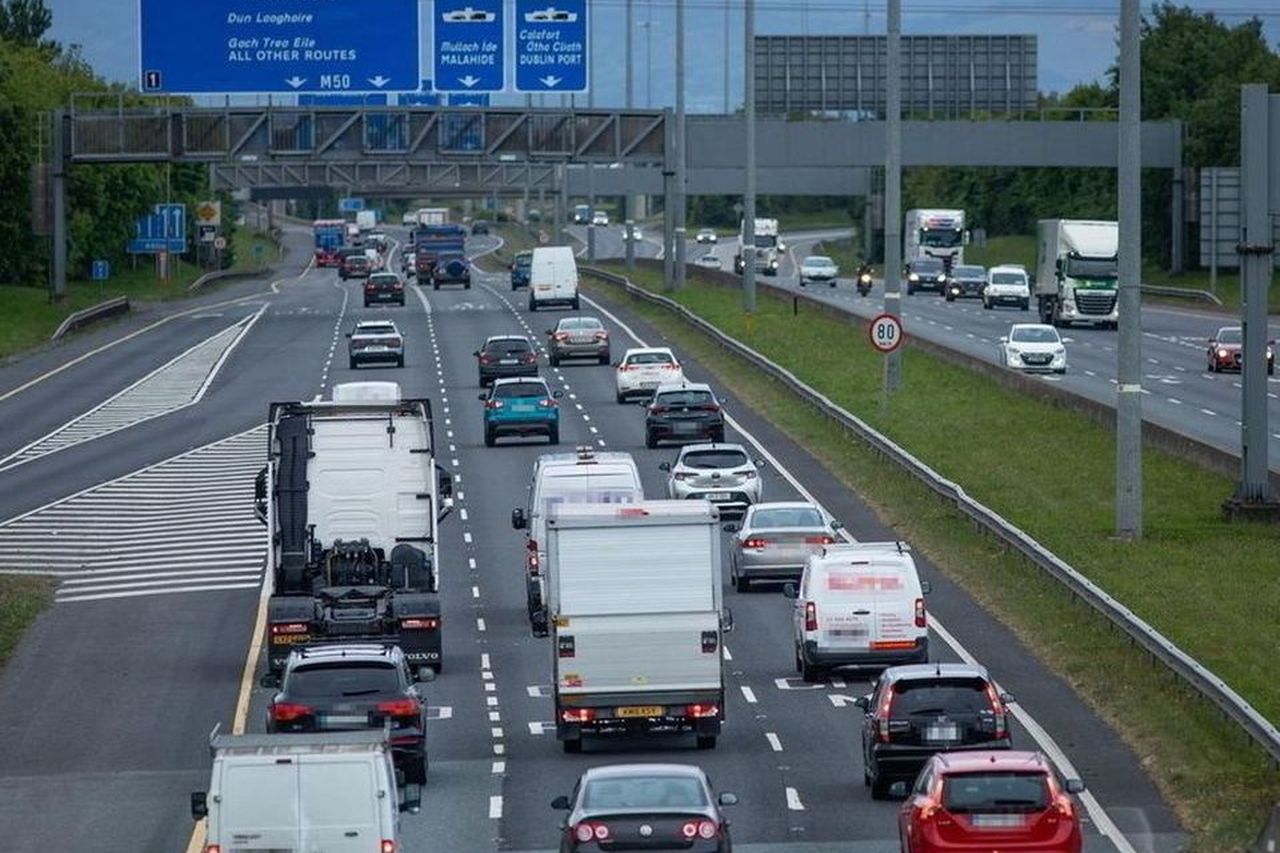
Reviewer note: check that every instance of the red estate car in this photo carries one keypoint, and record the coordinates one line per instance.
(1225, 347)
(977, 802)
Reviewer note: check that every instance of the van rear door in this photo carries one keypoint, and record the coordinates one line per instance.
(340, 804)
(253, 805)
(861, 605)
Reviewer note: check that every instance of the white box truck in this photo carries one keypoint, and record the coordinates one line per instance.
(433, 216)
(934, 233)
(366, 220)
(767, 247)
(637, 620)
(1076, 271)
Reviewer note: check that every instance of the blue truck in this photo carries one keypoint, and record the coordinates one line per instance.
(430, 241)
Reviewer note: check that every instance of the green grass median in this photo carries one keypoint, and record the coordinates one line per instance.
(22, 597)
(1210, 586)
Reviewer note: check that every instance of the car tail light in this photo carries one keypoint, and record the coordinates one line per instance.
(398, 285)
(565, 646)
(531, 557)
(922, 619)
(755, 542)
(484, 359)
(602, 336)
(285, 628)
(998, 711)
(883, 713)
(400, 708)
(747, 475)
(1063, 807)
(930, 809)
(671, 366)
(700, 828)
(578, 715)
(657, 409)
(388, 846)
(561, 336)
(699, 710)
(810, 616)
(427, 623)
(892, 645)
(623, 368)
(710, 407)
(591, 831)
(819, 540)
(213, 848)
(528, 358)
(493, 404)
(368, 285)
(548, 403)
(710, 642)
(395, 342)
(287, 712)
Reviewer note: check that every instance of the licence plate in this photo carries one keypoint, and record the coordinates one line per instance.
(291, 639)
(641, 711)
(718, 496)
(345, 719)
(375, 349)
(941, 733)
(508, 361)
(997, 821)
(681, 426)
(855, 633)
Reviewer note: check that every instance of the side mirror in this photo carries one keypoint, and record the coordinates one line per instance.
(727, 799)
(925, 588)
(518, 519)
(199, 805)
(1075, 786)
(446, 507)
(863, 702)
(476, 353)
(482, 396)
(726, 621)
(557, 394)
(260, 496)
(1057, 265)
(730, 528)
(424, 675)
(1007, 698)
(837, 525)
(1212, 341)
(665, 466)
(616, 364)
(551, 331)
(561, 803)
(348, 334)
(269, 680)
(1004, 339)
(898, 789)
(444, 482)
(789, 591)
(760, 463)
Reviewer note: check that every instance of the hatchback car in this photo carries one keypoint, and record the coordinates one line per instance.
(1225, 350)
(642, 370)
(818, 268)
(355, 686)
(706, 235)
(578, 337)
(375, 340)
(914, 712)
(644, 807)
(775, 540)
(520, 269)
(480, 227)
(976, 802)
(926, 274)
(355, 265)
(600, 218)
(521, 406)
(383, 287)
(688, 411)
(967, 281)
(721, 473)
(1033, 347)
(506, 355)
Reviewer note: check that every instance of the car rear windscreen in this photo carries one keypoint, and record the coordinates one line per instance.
(953, 695)
(579, 323)
(376, 329)
(505, 348)
(519, 389)
(1007, 278)
(685, 398)
(786, 517)
(342, 680)
(649, 358)
(644, 792)
(715, 459)
(995, 791)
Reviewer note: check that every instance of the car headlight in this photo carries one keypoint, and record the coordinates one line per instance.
(1222, 353)
(913, 277)
(941, 277)
(773, 264)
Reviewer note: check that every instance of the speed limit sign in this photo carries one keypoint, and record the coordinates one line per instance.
(885, 332)
(220, 243)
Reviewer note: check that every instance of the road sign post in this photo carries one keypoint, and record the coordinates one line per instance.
(552, 46)
(220, 46)
(469, 45)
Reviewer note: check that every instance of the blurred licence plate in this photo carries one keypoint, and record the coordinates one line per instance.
(345, 719)
(945, 733)
(717, 496)
(508, 361)
(997, 821)
(686, 426)
(856, 632)
(640, 711)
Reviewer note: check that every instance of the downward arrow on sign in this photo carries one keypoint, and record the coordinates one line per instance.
(550, 81)
(468, 81)
(295, 81)
(379, 81)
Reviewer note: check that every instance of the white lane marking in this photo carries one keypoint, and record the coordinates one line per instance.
(1175, 401)
(471, 562)
(466, 537)
(495, 807)
(462, 513)
(480, 624)
(484, 660)
(774, 742)
(495, 732)
(495, 716)
(498, 768)
(487, 675)
(748, 693)
(499, 749)
(475, 592)
(1209, 412)
(727, 656)
(793, 800)
(1099, 816)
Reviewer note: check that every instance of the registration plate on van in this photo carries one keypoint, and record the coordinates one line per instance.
(633, 711)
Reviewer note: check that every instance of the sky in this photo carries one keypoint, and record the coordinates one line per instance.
(1076, 38)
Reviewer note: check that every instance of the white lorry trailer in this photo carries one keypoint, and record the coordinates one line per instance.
(637, 620)
(930, 233)
(1076, 271)
(433, 216)
(767, 247)
(366, 220)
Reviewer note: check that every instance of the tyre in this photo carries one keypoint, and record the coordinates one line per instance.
(366, 303)
(401, 303)
(554, 361)
(1213, 367)
(832, 283)
(986, 306)
(950, 298)
(1026, 305)
(741, 584)
(416, 771)
(717, 436)
(911, 291)
(621, 399)
(1271, 370)
(573, 747)
(650, 440)
(802, 282)
(554, 435)
(400, 361)
(604, 358)
(879, 788)
(351, 363)
(577, 304)
(808, 672)
(533, 306)
(489, 437)
(1062, 372)
(799, 665)
(706, 741)
(435, 285)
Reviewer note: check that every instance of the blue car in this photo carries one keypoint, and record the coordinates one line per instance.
(521, 405)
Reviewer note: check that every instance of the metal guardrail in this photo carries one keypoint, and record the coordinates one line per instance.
(218, 275)
(1192, 672)
(85, 316)
(1181, 293)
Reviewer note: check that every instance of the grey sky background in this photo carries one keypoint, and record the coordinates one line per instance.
(1076, 38)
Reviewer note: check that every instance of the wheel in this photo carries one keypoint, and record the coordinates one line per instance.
(650, 440)
(351, 362)
(416, 772)
(1026, 305)
(717, 436)
(802, 282)
(553, 360)
(799, 665)
(533, 306)
(573, 747)
(401, 303)
(986, 306)
(706, 741)
(622, 400)
(435, 285)
(879, 788)
(1062, 372)
(1213, 367)
(1271, 370)
(366, 303)
(741, 584)
(810, 673)
(950, 298)
(910, 290)
(489, 437)
(466, 286)
(577, 304)
(400, 361)
(604, 359)
(554, 435)
(832, 283)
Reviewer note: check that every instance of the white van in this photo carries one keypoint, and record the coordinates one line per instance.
(553, 278)
(859, 605)
(334, 792)
(583, 476)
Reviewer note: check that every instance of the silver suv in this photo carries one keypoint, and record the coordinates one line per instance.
(721, 473)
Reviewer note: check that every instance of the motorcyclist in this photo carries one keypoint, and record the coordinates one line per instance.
(864, 279)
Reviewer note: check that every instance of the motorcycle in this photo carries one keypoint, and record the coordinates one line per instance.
(864, 284)
(953, 291)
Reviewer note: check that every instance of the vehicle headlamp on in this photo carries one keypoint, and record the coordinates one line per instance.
(942, 277)
(1222, 353)
(913, 277)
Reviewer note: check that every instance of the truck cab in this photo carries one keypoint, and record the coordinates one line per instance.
(1076, 272)
(768, 247)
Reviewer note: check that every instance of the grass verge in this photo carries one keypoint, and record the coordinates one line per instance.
(22, 597)
(515, 239)
(1196, 578)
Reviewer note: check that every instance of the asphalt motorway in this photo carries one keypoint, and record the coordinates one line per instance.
(107, 704)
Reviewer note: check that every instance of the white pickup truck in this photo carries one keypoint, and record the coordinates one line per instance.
(637, 621)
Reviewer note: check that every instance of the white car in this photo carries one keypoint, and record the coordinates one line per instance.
(706, 235)
(1007, 285)
(721, 473)
(1033, 347)
(710, 261)
(599, 218)
(643, 369)
(468, 16)
(818, 268)
(636, 234)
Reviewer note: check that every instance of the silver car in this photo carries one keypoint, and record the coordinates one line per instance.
(721, 473)
(578, 337)
(774, 541)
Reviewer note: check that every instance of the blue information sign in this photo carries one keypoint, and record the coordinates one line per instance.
(350, 205)
(162, 230)
(552, 49)
(424, 97)
(469, 45)
(101, 270)
(268, 46)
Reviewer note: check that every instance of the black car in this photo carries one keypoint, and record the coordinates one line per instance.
(966, 281)
(918, 710)
(480, 226)
(383, 287)
(355, 686)
(520, 270)
(506, 355)
(451, 268)
(644, 807)
(926, 274)
(688, 412)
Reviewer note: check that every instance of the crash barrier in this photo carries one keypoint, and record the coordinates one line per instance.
(1181, 293)
(222, 275)
(92, 314)
(1190, 671)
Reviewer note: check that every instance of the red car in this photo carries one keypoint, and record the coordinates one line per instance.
(977, 802)
(1225, 347)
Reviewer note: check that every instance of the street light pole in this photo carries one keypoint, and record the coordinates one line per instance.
(726, 57)
(682, 203)
(893, 187)
(1129, 349)
(748, 229)
(630, 73)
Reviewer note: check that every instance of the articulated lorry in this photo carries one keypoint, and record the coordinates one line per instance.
(351, 498)
(330, 237)
(636, 617)
(768, 247)
(1076, 271)
(929, 233)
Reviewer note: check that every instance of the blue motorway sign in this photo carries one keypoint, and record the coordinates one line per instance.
(101, 270)
(162, 230)
(368, 99)
(268, 46)
(552, 46)
(466, 99)
(469, 45)
(350, 205)
(424, 97)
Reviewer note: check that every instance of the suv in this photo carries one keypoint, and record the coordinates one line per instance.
(967, 280)
(521, 406)
(926, 273)
(355, 265)
(506, 355)
(375, 340)
(578, 337)
(451, 268)
(480, 226)
(355, 686)
(913, 712)
(721, 473)
(383, 287)
(520, 268)
(689, 410)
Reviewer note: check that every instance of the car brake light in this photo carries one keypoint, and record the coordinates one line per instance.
(280, 628)
(671, 366)
(578, 715)
(529, 358)
(484, 359)
(930, 809)
(710, 407)
(429, 623)
(561, 336)
(602, 336)
(755, 542)
(287, 712)
(1063, 807)
(810, 616)
(657, 409)
(395, 342)
(398, 285)
(892, 645)
(922, 619)
(623, 368)
(682, 475)
(388, 846)
(998, 711)
(531, 563)
(704, 828)
(591, 831)
(747, 475)
(819, 540)
(493, 404)
(548, 403)
(883, 713)
(699, 710)
(400, 708)
(213, 848)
